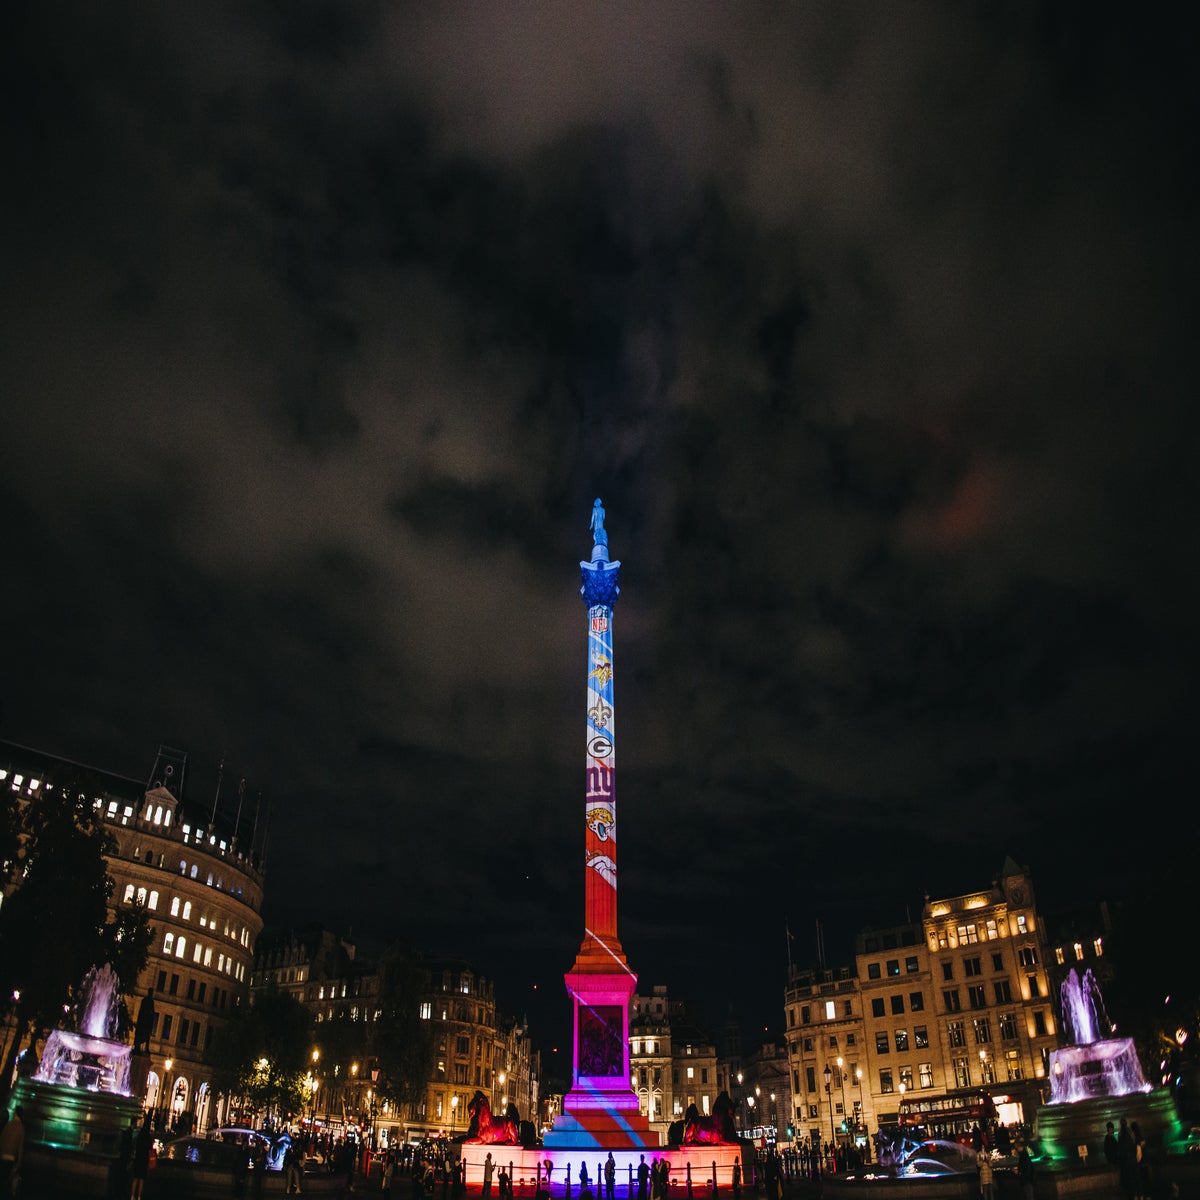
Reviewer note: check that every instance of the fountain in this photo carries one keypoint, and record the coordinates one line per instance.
(78, 1102)
(1097, 1078)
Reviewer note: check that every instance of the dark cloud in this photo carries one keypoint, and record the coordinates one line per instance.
(325, 324)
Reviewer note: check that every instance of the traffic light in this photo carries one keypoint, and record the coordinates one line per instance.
(843, 1126)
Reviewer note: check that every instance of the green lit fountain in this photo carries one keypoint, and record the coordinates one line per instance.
(78, 1101)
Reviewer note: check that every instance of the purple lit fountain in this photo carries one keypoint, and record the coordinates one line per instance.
(1097, 1078)
(77, 1102)
(90, 1058)
(1094, 1064)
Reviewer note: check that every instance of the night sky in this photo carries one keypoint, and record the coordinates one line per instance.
(873, 325)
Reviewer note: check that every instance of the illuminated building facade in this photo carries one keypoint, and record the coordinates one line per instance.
(959, 1002)
(200, 879)
(673, 1064)
(473, 1045)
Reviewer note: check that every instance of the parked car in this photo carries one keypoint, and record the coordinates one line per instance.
(277, 1145)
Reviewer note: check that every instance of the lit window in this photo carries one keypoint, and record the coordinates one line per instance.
(141, 895)
(426, 1010)
(167, 818)
(1078, 952)
(187, 911)
(208, 956)
(180, 946)
(168, 943)
(1098, 947)
(196, 953)
(691, 1072)
(153, 901)
(128, 897)
(158, 815)
(1059, 956)
(831, 1010)
(174, 906)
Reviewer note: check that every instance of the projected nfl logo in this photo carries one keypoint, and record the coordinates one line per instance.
(599, 624)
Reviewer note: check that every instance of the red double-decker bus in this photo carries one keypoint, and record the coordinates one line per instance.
(952, 1117)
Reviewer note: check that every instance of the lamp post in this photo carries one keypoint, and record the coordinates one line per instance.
(357, 1093)
(740, 1079)
(164, 1100)
(829, 1098)
(841, 1062)
(858, 1112)
(453, 1114)
(374, 1098)
(314, 1085)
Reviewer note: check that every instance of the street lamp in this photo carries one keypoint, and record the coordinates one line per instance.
(858, 1113)
(453, 1114)
(841, 1062)
(164, 1100)
(829, 1098)
(374, 1096)
(313, 1086)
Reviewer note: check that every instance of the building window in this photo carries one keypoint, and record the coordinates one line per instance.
(925, 1074)
(911, 965)
(1034, 989)
(962, 1072)
(885, 1081)
(1027, 956)
(897, 1006)
(956, 1033)
(893, 966)
(168, 1020)
(877, 1006)
(968, 935)
(901, 1040)
(997, 962)
(1098, 947)
(831, 1010)
(805, 1015)
(975, 996)
(973, 966)
(916, 1001)
(1039, 1023)
(921, 1037)
(906, 1078)
(850, 1041)
(1012, 1064)
(168, 943)
(1059, 956)
(1003, 990)
(1022, 924)
(983, 1030)
(947, 970)
(810, 1078)
(1008, 1027)
(951, 1001)
(174, 906)
(426, 1010)
(873, 970)
(987, 1069)
(847, 1008)
(882, 1045)
(808, 1045)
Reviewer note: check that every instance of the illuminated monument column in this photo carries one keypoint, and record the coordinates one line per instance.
(601, 1109)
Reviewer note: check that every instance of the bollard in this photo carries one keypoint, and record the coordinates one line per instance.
(631, 1181)
(714, 1177)
(689, 1180)
(567, 1193)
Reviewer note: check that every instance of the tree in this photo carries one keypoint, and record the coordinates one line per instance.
(52, 925)
(261, 1057)
(401, 1042)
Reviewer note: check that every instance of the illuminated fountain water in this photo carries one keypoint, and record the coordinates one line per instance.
(1094, 1065)
(1095, 1079)
(90, 1058)
(77, 1103)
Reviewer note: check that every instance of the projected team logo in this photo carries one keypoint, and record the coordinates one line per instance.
(602, 671)
(600, 747)
(601, 821)
(605, 867)
(600, 714)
